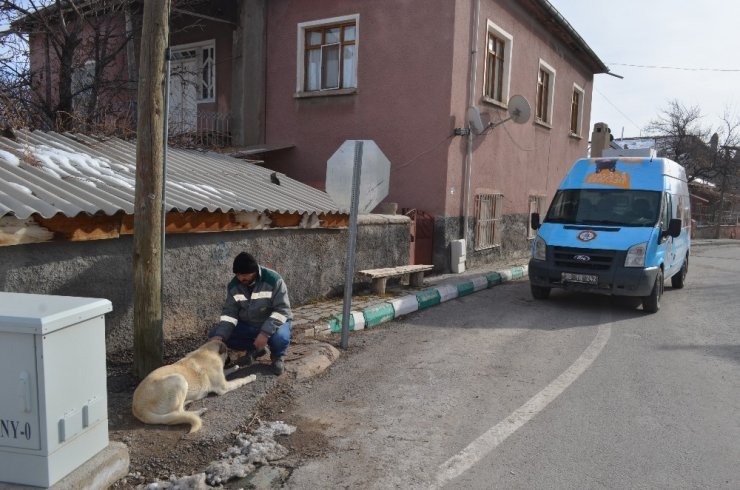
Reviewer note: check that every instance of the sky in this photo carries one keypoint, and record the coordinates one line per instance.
(701, 37)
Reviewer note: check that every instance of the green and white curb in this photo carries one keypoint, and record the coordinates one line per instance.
(394, 308)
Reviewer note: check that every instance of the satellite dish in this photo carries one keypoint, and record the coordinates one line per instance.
(519, 109)
(474, 120)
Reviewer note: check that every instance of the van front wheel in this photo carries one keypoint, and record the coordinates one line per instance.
(679, 280)
(540, 292)
(651, 303)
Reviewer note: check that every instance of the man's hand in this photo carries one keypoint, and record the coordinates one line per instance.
(261, 341)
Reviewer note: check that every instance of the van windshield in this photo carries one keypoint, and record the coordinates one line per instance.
(614, 207)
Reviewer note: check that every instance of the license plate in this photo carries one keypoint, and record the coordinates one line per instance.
(582, 278)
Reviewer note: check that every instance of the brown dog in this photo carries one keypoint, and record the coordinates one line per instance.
(161, 397)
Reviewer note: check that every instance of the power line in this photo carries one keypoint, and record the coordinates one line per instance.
(683, 68)
(618, 110)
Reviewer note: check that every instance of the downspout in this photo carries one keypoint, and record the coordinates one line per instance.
(472, 100)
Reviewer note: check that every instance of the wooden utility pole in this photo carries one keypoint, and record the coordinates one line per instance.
(148, 253)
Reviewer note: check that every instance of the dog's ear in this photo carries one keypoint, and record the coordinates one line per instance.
(222, 349)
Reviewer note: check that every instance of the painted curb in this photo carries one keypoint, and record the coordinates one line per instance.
(427, 298)
(392, 309)
(480, 283)
(494, 279)
(377, 314)
(356, 322)
(447, 292)
(465, 288)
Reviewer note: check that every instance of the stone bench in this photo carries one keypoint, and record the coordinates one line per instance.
(379, 277)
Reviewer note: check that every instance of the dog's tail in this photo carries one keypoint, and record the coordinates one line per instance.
(172, 418)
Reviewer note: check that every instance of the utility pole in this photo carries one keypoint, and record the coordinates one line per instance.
(148, 213)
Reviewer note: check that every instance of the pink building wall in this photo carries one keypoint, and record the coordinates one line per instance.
(413, 90)
(402, 100)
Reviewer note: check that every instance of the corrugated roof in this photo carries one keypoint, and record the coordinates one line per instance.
(48, 173)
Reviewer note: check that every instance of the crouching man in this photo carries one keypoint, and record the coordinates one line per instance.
(256, 313)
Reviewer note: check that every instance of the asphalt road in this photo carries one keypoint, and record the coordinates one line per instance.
(497, 390)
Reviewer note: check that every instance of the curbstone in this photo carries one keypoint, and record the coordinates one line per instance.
(356, 322)
(494, 278)
(322, 329)
(517, 272)
(505, 275)
(427, 298)
(404, 305)
(377, 314)
(465, 288)
(480, 283)
(447, 292)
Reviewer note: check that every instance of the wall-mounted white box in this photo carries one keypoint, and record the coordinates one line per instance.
(54, 404)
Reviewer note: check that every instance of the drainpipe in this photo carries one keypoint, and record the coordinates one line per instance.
(472, 101)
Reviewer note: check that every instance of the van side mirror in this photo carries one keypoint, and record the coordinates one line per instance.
(535, 221)
(674, 227)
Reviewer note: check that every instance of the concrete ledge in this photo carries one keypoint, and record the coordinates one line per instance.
(101, 471)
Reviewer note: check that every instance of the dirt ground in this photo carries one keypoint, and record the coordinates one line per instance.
(158, 452)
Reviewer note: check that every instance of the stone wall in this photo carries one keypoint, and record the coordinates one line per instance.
(197, 268)
(515, 246)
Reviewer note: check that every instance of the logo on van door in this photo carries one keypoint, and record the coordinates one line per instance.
(586, 235)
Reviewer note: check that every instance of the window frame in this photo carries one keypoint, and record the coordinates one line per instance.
(302, 53)
(488, 216)
(577, 89)
(508, 42)
(209, 85)
(549, 103)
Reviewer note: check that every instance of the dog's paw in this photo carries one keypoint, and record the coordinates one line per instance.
(201, 411)
(231, 370)
(248, 379)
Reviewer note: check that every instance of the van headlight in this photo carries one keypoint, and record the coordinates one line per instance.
(539, 249)
(636, 256)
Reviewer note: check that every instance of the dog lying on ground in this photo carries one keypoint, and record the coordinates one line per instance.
(161, 397)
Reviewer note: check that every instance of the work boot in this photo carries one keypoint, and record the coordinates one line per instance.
(278, 366)
(249, 359)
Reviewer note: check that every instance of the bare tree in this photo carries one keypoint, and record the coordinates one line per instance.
(681, 137)
(73, 83)
(726, 162)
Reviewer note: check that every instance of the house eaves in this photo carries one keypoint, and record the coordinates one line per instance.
(556, 24)
(49, 174)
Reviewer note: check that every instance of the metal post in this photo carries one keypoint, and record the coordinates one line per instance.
(350, 272)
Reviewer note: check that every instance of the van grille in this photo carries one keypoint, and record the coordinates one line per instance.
(575, 258)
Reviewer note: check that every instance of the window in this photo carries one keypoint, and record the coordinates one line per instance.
(536, 205)
(488, 210)
(545, 86)
(82, 81)
(327, 54)
(576, 110)
(497, 65)
(193, 67)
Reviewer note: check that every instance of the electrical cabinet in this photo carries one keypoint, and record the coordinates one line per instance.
(54, 407)
(458, 255)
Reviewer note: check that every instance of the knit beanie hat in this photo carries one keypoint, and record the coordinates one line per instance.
(244, 263)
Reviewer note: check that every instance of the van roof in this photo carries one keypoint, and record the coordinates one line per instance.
(622, 173)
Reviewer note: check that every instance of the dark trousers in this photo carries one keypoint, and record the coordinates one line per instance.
(244, 334)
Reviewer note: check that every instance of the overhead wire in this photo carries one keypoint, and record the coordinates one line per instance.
(683, 68)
